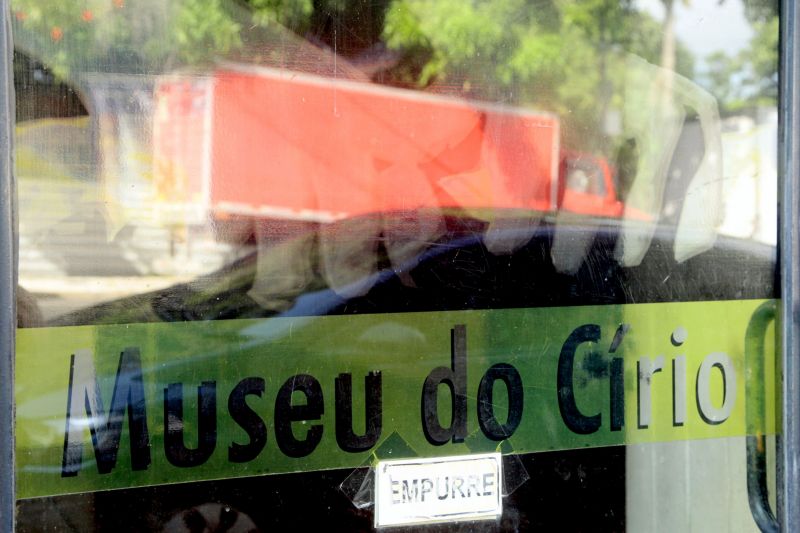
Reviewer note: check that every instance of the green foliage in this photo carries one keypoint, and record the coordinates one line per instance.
(128, 36)
(600, 20)
(402, 31)
(721, 70)
(750, 78)
(761, 10)
(763, 61)
(203, 29)
(559, 55)
(294, 14)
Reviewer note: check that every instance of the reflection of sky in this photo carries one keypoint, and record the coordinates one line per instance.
(706, 26)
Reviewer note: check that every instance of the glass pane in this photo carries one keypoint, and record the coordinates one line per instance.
(267, 245)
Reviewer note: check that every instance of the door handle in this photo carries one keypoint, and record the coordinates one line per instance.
(755, 417)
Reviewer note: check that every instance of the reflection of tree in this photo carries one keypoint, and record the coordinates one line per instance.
(668, 36)
(135, 36)
(749, 78)
(70, 37)
(550, 54)
(561, 56)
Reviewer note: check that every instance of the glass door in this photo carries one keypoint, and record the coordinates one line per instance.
(422, 264)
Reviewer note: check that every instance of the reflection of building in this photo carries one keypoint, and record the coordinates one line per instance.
(85, 184)
(750, 172)
(122, 106)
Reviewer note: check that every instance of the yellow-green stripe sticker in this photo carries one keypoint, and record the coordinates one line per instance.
(118, 406)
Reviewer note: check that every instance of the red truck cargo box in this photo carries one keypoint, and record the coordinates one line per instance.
(295, 146)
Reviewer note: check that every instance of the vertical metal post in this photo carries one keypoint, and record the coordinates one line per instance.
(8, 273)
(789, 158)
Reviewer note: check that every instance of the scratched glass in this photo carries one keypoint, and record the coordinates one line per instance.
(186, 164)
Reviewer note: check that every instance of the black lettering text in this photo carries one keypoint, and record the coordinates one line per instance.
(286, 413)
(85, 407)
(573, 418)
(248, 419)
(174, 447)
(456, 380)
(486, 418)
(345, 436)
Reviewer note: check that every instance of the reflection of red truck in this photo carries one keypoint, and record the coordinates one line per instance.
(280, 144)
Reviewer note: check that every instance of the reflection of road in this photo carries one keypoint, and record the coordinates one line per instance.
(79, 244)
(71, 256)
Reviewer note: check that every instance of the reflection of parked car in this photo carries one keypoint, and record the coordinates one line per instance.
(457, 272)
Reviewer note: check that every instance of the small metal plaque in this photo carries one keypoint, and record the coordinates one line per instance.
(445, 489)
